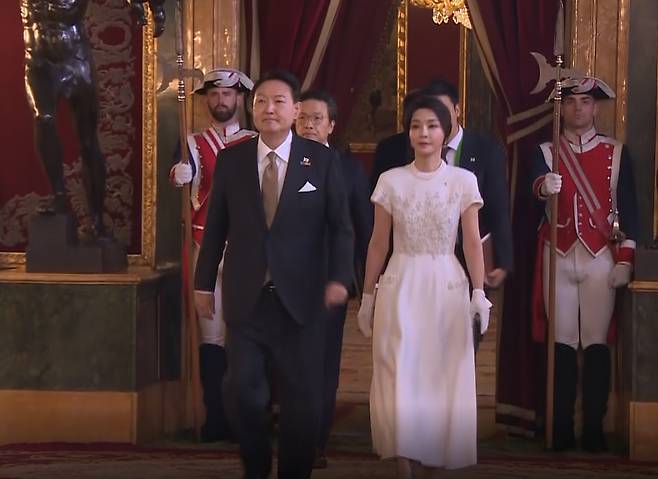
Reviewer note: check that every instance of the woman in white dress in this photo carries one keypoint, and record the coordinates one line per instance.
(422, 398)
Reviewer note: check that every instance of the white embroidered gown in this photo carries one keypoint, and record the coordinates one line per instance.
(422, 396)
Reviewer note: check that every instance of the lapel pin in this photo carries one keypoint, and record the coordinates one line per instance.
(472, 159)
(306, 162)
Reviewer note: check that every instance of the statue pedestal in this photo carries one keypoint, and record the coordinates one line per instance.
(639, 356)
(53, 247)
(89, 357)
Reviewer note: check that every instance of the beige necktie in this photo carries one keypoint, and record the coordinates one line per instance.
(270, 188)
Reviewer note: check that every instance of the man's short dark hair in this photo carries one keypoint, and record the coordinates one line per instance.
(321, 95)
(431, 103)
(442, 87)
(283, 76)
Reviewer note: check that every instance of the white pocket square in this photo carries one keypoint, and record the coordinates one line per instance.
(307, 188)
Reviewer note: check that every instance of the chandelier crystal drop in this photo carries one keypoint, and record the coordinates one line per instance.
(444, 10)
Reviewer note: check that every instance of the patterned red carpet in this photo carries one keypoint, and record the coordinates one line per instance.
(105, 461)
(350, 454)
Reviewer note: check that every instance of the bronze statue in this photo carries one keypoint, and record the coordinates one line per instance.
(58, 63)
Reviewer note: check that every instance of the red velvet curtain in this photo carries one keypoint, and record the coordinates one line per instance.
(507, 32)
(348, 58)
(288, 32)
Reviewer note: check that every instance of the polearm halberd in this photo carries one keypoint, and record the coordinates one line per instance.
(190, 366)
(558, 50)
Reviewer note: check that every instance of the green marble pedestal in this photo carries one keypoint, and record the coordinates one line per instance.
(88, 357)
(639, 368)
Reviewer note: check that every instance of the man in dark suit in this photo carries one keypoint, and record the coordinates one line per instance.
(316, 121)
(485, 157)
(278, 214)
(394, 150)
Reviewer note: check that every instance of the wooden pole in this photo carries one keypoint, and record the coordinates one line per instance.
(550, 340)
(190, 360)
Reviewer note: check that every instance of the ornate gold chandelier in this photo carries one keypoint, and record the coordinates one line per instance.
(444, 10)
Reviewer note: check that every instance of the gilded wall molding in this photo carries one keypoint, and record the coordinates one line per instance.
(363, 147)
(12, 260)
(655, 172)
(227, 33)
(401, 59)
(212, 34)
(149, 152)
(464, 45)
(591, 53)
(622, 69)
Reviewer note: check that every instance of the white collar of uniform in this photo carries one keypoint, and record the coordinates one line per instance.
(457, 139)
(228, 130)
(282, 151)
(580, 140)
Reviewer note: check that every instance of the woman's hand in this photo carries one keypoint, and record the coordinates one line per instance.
(480, 305)
(366, 314)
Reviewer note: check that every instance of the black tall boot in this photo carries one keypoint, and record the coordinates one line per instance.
(596, 387)
(564, 397)
(212, 365)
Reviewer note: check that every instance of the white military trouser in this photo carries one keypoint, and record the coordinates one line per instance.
(213, 330)
(581, 292)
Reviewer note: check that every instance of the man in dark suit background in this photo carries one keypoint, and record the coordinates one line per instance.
(394, 150)
(278, 204)
(485, 157)
(316, 121)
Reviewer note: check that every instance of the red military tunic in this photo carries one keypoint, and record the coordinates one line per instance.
(204, 147)
(598, 159)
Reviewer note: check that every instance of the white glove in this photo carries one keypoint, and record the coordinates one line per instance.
(620, 275)
(552, 184)
(480, 305)
(366, 314)
(182, 173)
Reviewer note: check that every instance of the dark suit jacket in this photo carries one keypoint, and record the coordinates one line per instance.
(361, 211)
(486, 159)
(390, 153)
(309, 243)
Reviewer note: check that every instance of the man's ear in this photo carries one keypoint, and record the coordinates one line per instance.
(296, 107)
(458, 110)
(332, 124)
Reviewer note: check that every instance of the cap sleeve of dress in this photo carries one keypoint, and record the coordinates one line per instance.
(470, 192)
(382, 195)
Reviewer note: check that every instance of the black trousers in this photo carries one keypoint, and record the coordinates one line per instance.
(335, 325)
(295, 354)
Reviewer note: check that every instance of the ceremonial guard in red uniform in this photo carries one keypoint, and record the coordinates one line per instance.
(597, 222)
(224, 91)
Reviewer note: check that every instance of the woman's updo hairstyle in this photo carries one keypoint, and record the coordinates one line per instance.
(430, 103)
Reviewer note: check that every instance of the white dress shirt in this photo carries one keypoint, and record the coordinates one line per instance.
(584, 142)
(227, 130)
(454, 146)
(283, 153)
